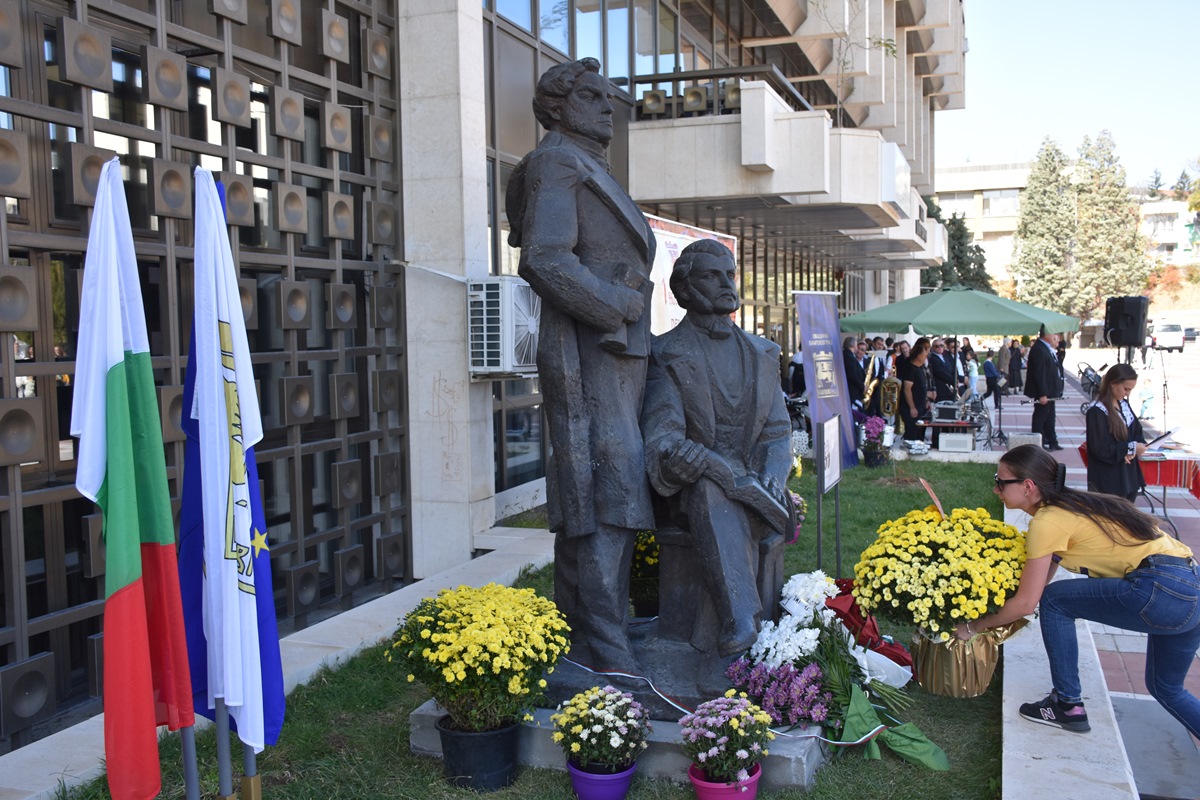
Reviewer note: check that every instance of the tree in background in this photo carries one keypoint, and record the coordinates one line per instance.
(1153, 191)
(1110, 253)
(965, 263)
(1183, 186)
(1043, 245)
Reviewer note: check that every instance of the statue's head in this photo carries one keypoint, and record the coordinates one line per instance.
(704, 278)
(574, 98)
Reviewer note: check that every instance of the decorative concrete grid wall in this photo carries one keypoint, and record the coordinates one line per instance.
(294, 105)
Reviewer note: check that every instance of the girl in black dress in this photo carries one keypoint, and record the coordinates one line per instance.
(1114, 436)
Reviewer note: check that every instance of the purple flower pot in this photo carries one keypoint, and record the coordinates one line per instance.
(600, 786)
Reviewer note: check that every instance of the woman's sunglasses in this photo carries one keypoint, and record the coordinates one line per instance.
(1002, 482)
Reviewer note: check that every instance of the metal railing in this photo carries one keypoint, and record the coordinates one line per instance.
(708, 91)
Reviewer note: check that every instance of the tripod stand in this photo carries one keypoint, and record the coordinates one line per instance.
(1162, 365)
(998, 435)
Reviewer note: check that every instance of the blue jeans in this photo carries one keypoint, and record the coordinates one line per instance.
(1161, 600)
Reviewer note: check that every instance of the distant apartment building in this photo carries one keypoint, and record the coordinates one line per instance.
(1173, 232)
(989, 197)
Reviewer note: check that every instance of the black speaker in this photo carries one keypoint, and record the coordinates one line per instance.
(1125, 320)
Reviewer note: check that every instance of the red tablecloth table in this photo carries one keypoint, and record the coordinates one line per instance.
(1170, 469)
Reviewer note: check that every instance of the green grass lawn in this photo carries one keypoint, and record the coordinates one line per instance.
(346, 734)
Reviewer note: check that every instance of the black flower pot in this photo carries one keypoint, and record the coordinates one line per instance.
(875, 458)
(484, 762)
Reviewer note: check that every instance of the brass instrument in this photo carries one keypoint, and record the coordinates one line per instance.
(889, 401)
(870, 381)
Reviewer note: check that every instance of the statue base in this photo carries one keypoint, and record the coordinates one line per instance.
(668, 669)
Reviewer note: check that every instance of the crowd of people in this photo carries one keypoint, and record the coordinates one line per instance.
(920, 374)
(1141, 579)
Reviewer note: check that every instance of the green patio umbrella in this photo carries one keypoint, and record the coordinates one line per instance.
(955, 311)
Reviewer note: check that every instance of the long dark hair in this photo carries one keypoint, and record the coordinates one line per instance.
(1117, 373)
(1116, 516)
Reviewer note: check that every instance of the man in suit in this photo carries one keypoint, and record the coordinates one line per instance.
(855, 374)
(715, 424)
(942, 369)
(1044, 383)
(586, 249)
(942, 374)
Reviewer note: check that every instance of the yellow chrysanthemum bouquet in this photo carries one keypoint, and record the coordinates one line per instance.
(936, 572)
(482, 652)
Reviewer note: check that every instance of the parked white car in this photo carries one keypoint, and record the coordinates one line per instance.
(1167, 336)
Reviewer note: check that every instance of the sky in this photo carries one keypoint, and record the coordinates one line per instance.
(1070, 68)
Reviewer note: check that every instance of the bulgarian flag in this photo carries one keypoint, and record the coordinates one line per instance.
(122, 468)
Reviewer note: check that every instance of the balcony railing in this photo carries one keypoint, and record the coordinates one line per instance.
(671, 95)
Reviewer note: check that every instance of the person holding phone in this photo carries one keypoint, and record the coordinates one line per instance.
(1115, 440)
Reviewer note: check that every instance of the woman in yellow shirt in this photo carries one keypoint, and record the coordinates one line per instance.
(1139, 579)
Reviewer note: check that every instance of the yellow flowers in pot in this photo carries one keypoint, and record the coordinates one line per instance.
(482, 652)
(935, 572)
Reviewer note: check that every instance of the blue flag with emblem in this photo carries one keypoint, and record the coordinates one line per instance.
(225, 565)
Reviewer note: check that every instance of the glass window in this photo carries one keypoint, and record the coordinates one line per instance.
(589, 40)
(552, 24)
(1000, 202)
(961, 203)
(201, 124)
(522, 387)
(37, 595)
(666, 39)
(517, 11)
(617, 65)
(643, 37)
(6, 122)
(275, 478)
(509, 255)
(516, 127)
(523, 446)
(124, 103)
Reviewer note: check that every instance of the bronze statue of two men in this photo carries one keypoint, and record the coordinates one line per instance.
(687, 430)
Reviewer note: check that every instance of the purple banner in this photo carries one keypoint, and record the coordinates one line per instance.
(824, 370)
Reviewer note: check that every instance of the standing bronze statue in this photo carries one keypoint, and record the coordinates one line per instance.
(586, 249)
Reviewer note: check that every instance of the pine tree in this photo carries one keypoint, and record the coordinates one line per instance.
(1183, 186)
(1110, 257)
(1156, 184)
(936, 276)
(1045, 236)
(965, 262)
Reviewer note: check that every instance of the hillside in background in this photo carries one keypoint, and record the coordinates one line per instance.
(1175, 294)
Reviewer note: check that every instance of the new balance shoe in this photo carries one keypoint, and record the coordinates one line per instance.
(1052, 712)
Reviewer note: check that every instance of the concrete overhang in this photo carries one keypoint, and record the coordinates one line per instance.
(934, 253)
(780, 175)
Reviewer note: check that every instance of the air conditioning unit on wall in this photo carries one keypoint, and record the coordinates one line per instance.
(502, 327)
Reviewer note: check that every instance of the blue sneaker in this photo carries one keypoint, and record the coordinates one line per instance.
(1069, 717)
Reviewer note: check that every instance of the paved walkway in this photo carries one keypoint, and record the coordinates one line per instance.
(1123, 654)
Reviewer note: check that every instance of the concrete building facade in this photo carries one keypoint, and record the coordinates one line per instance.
(366, 147)
(989, 198)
